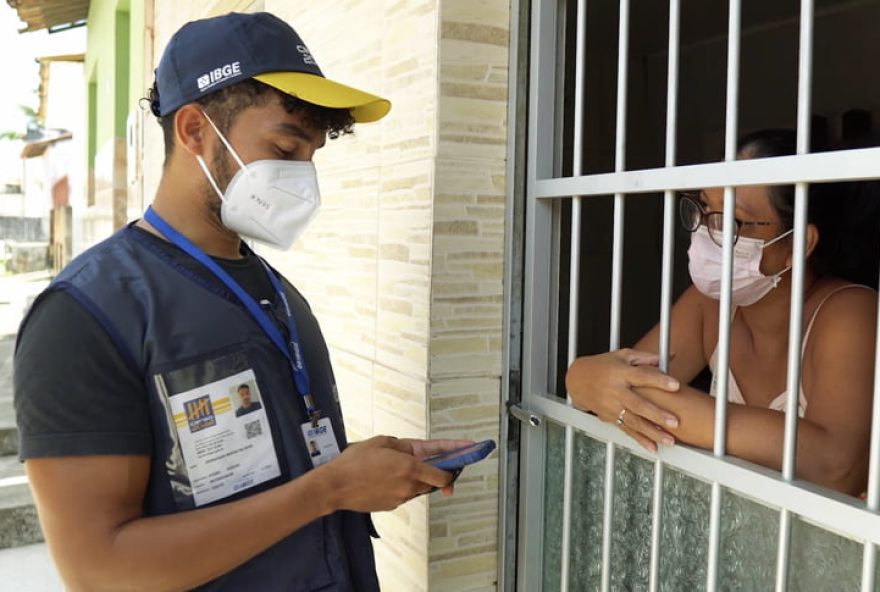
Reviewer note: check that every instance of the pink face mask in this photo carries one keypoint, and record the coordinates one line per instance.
(749, 284)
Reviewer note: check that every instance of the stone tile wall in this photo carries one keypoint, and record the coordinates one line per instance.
(365, 263)
(466, 280)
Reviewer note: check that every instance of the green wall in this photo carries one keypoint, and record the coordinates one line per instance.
(136, 86)
(114, 64)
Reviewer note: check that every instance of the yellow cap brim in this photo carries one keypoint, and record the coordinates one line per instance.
(326, 93)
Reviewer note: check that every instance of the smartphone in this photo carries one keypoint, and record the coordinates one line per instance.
(455, 460)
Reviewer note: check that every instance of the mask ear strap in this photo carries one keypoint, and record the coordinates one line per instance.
(225, 141)
(777, 277)
(208, 174)
(778, 238)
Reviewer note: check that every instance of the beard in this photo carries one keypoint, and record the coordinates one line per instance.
(222, 170)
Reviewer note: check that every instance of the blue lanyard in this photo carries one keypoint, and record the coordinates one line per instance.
(293, 353)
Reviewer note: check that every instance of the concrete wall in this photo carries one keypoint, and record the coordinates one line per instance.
(23, 229)
(403, 266)
(13, 205)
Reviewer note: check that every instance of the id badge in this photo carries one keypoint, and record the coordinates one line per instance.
(224, 435)
(320, 441)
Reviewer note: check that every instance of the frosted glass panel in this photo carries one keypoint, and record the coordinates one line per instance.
(555, 462)
(749, 543)
(587, 502)
(684, 536)
(877, 573)
(821, 560)
(631, 522)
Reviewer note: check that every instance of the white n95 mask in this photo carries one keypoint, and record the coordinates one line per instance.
(271, 201)
(705, 261)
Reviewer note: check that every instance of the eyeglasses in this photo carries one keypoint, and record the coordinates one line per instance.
(693, 214)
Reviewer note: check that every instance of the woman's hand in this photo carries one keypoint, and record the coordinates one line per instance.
(604, 383)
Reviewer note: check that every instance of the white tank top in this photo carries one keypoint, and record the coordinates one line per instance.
(734, 394)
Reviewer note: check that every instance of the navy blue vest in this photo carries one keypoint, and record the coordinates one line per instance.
(168, 321)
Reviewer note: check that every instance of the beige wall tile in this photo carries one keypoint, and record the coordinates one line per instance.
(354, 381)
(402, 320)
(365, 261)
(466, 283)
(401, 552)
(335, 263)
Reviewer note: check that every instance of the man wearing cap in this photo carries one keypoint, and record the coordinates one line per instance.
(127, 365)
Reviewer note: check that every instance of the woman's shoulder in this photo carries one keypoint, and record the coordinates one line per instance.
(839, 348)
(842, 310)
(835, 297)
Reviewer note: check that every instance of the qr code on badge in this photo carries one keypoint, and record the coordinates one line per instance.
(253, 429)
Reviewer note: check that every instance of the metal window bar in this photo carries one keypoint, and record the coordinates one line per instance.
(574, 282)
(616, 271)
(793, 379)
(832, 511)
(666, 278)
(872, 500)
(619, 167)
(668, 194)
(724, 313)
(509, 458)
(841, 165)
(536, 286)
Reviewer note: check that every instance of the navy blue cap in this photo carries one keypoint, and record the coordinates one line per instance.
(209, 54)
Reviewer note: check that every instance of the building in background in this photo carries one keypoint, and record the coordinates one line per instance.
(114, 79)
(46, 191)
(40, 232)
(24, 223)
(48, 79)
(53, 172)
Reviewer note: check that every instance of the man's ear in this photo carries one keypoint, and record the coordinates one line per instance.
(812, 242)
(189, 128)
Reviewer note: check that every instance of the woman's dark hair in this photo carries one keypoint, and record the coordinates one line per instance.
(847, 215)
(225, 104)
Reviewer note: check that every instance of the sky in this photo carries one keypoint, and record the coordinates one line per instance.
(21, 70)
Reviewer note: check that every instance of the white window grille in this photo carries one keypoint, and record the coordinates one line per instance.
(795, 507)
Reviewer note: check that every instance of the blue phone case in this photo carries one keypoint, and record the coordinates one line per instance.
(456, 460)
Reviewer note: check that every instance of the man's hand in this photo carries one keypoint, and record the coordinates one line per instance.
(424, 448)
(91, 510)
(383, 472)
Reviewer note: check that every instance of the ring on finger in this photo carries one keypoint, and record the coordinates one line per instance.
(619, 420)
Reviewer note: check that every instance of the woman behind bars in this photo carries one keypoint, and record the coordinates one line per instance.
(837, 351)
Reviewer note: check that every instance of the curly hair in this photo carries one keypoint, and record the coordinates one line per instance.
(225, 104)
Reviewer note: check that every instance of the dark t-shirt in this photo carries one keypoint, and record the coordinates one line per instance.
(74, 393)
